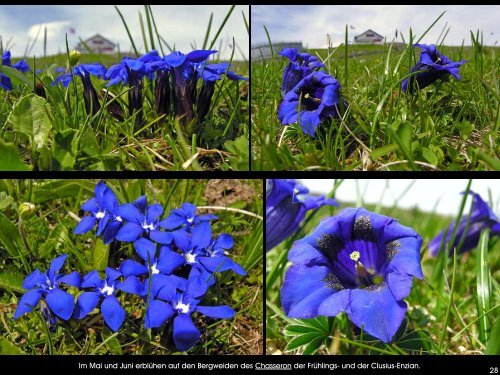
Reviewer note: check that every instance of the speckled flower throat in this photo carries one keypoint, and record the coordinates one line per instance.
(360, 262)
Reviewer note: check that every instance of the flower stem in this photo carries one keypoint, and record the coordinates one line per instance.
(50, 345)
(231, 209)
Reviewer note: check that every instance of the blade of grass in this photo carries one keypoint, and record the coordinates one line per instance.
(448, 309)
(150, 29)
(483, 291)
(128, 31)
(430, 27)
(143, 33)
(246, 22)
(214, 40)
(207, 33)
(156, 30)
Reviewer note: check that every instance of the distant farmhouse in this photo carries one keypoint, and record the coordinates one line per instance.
(369, 37)
(263, 51)
(97, 44)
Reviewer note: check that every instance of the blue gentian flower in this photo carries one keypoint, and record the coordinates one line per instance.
(104, 210)
(162, 92)
(182, 305)
(286, 205)
(166, 262)
(469, 228)
(142, 222)
(210, 73)
(5, 82)
(206, 254)
(316, 96)
(46, 285)
(300, 66)
(84, 71)
(131, 71)
(181, 69)
(185, 217)
(432, 66)
(102, 290)
(22, 65)
(60, 70)
(181, 220)
(357, 262)
(214, 72)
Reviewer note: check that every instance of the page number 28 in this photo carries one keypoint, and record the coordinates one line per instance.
(493, 370)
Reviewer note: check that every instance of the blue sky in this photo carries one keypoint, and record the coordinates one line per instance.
(177, 24)
(311, 23)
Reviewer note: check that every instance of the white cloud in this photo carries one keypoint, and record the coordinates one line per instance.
(54, 29)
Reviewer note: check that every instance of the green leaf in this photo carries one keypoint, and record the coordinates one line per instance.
(88, 142)
(384, 150)
(491, 161)
(10, 160)
(239, 148)
(296, 329)
(483, 291)
(429, 156)
(493, 346)
(10, 237)
(64, 150)
(309, 334)
(31, 116)
(111, 341)
(51, 189)
(313, 346)
(302, 340)
(17, 75)
(58, 238)
(11, 281)
(44, 160)
(6, 347)
(5, 200)
(101, 255)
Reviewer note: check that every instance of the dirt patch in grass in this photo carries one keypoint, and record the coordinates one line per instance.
(221, 192)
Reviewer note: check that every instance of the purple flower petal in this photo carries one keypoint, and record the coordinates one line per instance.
(157, 314)
(186, 335)
(87, 301)
(61, 303)
(28, 302)
(219, 312)
(112, 312)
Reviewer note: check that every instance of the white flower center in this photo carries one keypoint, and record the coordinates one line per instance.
(100, 214)
(148, 226)
(183, 308)
(107, 290)
(48, 284)
(355, 255)
(154, 270)
(190, 258)
(118, 218)
(190, 219)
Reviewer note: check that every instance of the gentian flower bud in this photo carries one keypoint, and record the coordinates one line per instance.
(286, 205)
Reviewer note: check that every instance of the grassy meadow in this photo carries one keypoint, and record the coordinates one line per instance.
(445, 315)
(45, 127)
(31, 240)
(451, 125)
